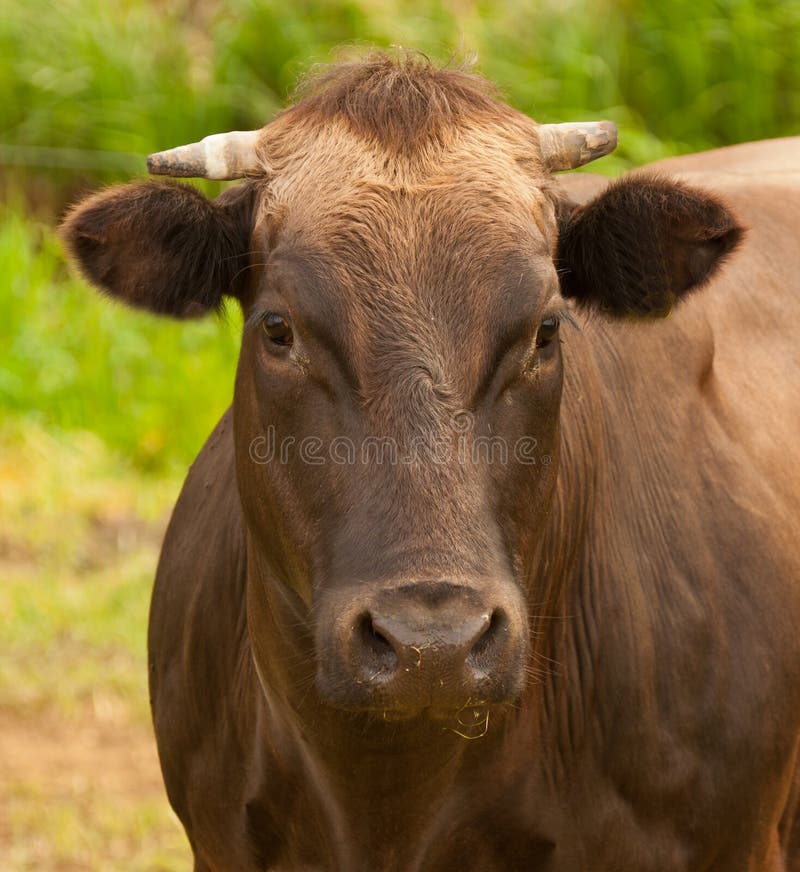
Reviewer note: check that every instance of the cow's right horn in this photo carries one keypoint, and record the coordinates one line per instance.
(219, 156)
(571, 145)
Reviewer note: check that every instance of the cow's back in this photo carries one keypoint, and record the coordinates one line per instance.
(779, 157)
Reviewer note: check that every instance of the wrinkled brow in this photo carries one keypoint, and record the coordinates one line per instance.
(512, 293)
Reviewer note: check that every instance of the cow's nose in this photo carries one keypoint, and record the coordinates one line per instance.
(393, 642)
(424, 645)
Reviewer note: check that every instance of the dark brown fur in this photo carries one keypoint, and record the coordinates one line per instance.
(681, 236)
(162, 245)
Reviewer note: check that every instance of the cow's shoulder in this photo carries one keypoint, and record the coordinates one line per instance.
(203, 688)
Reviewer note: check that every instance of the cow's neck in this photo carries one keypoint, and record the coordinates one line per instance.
(373, 783)
(606, 611)
(378, 787)
(574, 580)
(387, 780)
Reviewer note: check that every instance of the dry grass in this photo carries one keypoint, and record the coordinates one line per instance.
(80, 787)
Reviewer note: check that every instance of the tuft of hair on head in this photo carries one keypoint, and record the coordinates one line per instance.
(401, 97)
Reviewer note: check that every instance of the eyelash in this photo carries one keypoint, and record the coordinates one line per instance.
(256, 319)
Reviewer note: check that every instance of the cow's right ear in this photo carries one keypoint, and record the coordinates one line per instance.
(163, 246)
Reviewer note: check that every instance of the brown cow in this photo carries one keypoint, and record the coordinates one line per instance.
(489, 567)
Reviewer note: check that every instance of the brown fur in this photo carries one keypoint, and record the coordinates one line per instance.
(640, 674)
(400, 101)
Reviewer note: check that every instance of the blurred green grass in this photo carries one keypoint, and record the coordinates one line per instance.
(102, 409)
(150, 388)
(123, 79)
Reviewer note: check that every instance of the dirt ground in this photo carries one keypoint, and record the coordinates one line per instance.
(91, 756)
(83, 795)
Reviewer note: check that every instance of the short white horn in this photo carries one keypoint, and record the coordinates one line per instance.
(575, 143)
(221, 156)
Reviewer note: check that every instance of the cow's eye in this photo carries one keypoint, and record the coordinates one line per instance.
(277, 328)
(548, 330)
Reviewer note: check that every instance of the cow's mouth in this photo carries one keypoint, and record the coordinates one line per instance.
(469, 716)
(463, 715)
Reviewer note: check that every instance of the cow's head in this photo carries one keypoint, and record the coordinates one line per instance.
(404, 262)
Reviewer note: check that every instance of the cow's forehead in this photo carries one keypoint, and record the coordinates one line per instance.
(411, 278)
(415, 252)
(461, 208)
(468, 216)
(315, 171)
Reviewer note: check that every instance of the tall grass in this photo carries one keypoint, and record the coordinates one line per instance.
(125, 78)
(89, 87)
(150, 388)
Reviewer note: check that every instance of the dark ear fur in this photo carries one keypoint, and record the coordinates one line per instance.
(161, 245)
(643, 244)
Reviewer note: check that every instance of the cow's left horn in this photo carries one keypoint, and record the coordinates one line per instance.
(570, 145)
(220, 156)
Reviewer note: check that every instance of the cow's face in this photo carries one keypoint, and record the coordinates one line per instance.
(397, 410)
(397, 397)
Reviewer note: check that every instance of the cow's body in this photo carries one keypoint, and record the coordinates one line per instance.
(578, 658)
(660, 728)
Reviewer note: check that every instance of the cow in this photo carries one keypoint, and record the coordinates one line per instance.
(494, 562)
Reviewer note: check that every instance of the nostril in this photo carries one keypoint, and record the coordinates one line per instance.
(377, 650)
(486, 647)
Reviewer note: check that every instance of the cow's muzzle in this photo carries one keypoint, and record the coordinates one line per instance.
(424, 645)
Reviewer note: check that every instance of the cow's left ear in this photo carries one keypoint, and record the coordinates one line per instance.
(642, 245)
